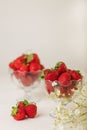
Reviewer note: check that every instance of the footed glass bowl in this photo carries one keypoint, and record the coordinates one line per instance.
(29, 82)
(25, 71)
(62, 95)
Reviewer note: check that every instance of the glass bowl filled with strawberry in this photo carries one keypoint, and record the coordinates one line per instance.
(25, 71)
(62, 83)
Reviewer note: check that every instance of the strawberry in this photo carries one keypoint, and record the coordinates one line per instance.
(31, 110)
(20, 104)
(46, 71)
(62, 90)
(24, 109)
(64, 79)
(16, 74)
(41, 66)
(36, 75)
(12, 66)
(18, 113)
(15, 65)
(27, 62)
(24, 57)
(49, 86)
(61, 67)
(34, 67)
(18, 62)
(27, 80)
(65, 91)
(24, 67)
(52, 75)
(33, 57)
(75, 75)
(36, 58)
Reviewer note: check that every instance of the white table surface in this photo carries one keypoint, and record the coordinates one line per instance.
(8, 97)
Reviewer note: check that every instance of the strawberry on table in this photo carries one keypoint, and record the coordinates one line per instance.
(20, 104)
(31, 110)
(23, 110)
(18, 113)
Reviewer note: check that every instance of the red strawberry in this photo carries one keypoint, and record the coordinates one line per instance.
(49, 86)
(46, 71)
(18, 62)
(61, 67)
(62, 90)
(36, 58)
(27, 80)
(52, 75)
(18, 113)
(64, 79)
(20, 104)
(24, 57)
(34, 67)
(33, 57)
(75, 75)
(31, 110)
(41, 66)
(17, 74)
(24, 109)
(24, 67)
(12, 66)
(36, 75)
(15, 65)
(65, 91)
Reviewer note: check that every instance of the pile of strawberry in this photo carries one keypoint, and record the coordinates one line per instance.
(23, 110)
(62, 78)
(26, 68)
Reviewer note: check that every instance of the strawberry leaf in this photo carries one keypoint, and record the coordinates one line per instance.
(29, 58)
(14, 111)
(42, 75)
(78, 71)
(58, 64)
(25, 102)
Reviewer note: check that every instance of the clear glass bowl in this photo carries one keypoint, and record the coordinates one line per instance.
(62, 95)
(29, 82)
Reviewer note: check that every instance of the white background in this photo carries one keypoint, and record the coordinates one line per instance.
(55, 29)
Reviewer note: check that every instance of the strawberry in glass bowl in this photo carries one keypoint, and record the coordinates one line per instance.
(62, 84)
(25, 71)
